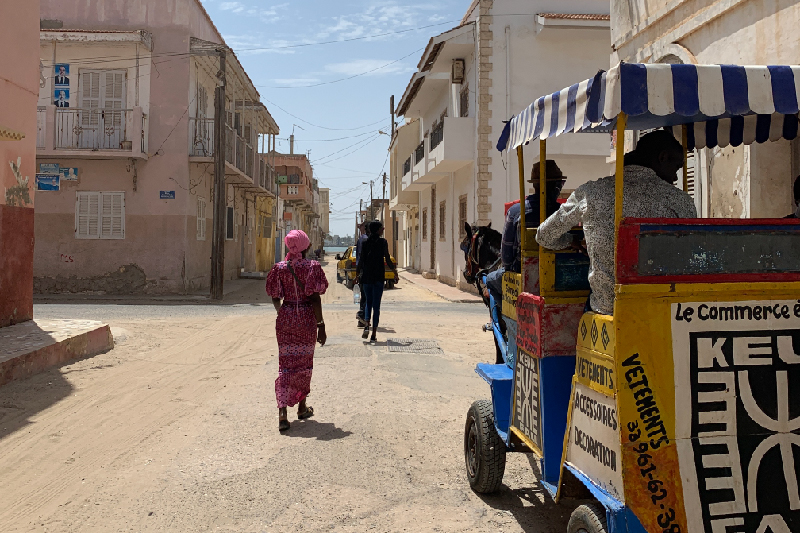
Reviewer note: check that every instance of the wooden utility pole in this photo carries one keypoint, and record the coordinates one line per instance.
(371, 202)
(391, 110)
(218, 237)
(383, 200)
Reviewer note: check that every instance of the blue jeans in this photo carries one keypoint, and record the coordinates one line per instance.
(372, 310)
(494, 282)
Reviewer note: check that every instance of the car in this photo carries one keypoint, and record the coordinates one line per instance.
(346, 270)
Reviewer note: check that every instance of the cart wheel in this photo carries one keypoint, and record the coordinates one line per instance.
(484, 451)
(589, 518)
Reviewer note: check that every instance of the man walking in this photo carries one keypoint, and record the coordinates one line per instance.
(363, 300)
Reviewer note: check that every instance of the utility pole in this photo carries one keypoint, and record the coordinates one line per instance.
(371, 202)
(218, 238)
(383, 200)
(391, 110)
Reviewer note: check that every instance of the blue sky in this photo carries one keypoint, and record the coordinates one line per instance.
(277, 42)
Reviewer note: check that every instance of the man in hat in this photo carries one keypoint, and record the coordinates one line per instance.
(649, 175)
(510, 251)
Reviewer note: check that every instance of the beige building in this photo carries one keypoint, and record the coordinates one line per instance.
(129, 205)
(445, 170)
(743, 32)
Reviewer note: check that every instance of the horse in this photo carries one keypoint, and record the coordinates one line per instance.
(481, 247)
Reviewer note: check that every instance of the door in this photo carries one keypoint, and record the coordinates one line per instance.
(102, 109)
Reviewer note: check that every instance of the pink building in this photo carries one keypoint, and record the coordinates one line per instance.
(19, 89)
(299, 195)
(125, 149)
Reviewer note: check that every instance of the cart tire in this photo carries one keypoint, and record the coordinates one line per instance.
(484, 450)
(588, 518)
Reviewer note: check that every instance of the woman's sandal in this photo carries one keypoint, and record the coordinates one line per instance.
(308, 413)
(283, 425)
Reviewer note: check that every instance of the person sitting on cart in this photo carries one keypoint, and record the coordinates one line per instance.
(510, 251)
(650, 173)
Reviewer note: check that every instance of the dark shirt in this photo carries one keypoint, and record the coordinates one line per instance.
(511, 236)
(371, 260)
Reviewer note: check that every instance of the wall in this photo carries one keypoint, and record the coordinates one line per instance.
(19, 86)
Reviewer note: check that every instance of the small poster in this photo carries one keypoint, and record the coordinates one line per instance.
(167, 195)
(68, 173)
(61, 97)
(49, 168)
(48, 182)
(62, 75)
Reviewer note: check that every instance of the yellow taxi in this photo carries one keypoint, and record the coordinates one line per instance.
(346, 269)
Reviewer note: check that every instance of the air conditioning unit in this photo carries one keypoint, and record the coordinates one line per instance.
(458, 71)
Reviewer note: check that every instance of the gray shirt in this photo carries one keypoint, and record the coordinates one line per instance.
(592, 205)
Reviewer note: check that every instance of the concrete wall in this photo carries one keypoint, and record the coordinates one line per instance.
(753, 181)
(19, 86)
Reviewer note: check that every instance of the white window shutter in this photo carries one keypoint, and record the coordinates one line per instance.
(90, 98)
(112, 215)
(87, 215)
(201, 219)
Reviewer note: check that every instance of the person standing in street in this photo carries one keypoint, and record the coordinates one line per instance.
(295, 286)
(363, 300)
(371, 271)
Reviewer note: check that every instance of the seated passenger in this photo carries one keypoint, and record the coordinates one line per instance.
(650, 173)
(510, 252)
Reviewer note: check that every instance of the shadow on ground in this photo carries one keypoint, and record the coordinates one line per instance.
(311, 429)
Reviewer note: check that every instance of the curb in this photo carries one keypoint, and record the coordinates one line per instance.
(451, 300)
(85, 344)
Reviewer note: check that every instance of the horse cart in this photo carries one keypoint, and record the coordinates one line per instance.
(681, 412)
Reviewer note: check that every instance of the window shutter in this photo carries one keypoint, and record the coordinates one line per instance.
(90, 98)
(201, 219)
(87, 215)
(112, 215)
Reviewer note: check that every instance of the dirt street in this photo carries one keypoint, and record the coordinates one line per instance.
(176, 428)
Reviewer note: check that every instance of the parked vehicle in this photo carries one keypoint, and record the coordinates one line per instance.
(346, 270)
(676, 414)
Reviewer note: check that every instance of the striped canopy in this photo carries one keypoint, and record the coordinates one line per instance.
(726, 104)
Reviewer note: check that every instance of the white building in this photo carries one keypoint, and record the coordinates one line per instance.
(741, 32)
(445, 170)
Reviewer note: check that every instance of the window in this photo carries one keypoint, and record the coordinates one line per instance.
(442, 223)
(100, 215)
(201, 219)
(424, 223)
(407, 166)
(229, 224)
(462, 216)
(292, 189)
(266, 227)
(419, 153)
(463, 108)
(102, 108)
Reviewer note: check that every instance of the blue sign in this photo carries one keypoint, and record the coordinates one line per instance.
(167, 195)
(48, 182)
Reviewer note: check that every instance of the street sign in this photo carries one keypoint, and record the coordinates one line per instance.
(167, 195)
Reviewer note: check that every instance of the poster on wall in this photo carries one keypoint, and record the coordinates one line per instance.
(61, 97)
(49, 168)
(62, 75)
(594, 445)
(739, 363)
(68, 173)
(48, 182)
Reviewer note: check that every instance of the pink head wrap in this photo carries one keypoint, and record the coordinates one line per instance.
(297, 242)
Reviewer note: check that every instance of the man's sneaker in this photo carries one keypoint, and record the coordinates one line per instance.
(365, 334)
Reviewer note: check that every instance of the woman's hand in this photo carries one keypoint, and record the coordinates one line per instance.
(321, 335)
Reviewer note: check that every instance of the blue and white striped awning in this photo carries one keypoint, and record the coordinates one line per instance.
(726, 104)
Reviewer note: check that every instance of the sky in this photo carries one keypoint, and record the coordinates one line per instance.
(334, 96)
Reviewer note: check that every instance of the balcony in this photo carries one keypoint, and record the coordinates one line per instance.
(91, 133)
(450, 147)
(243, 165)
(299, 195)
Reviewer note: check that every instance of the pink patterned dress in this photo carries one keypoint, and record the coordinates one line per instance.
(296, 327)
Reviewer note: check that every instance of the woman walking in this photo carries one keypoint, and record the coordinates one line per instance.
(371, 270)
(295, 286)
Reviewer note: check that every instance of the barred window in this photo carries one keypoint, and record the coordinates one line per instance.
(442, 222)
(462, 215)
(424, 223)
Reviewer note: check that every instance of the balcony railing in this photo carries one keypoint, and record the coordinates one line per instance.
(97, 129)
(41, 126)
(201, 137)
(437, 134)
(419, 153)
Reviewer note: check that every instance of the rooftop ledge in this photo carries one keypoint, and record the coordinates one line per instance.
(572, 21)
(96, 36)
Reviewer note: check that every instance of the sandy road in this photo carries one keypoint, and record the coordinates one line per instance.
(176, 428)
